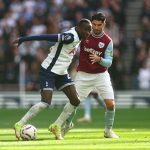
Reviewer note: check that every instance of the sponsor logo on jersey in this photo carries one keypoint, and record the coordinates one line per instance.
(90, 50)
(101, 45)
(67, 37)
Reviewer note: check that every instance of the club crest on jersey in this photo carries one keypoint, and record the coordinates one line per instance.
(101, 45)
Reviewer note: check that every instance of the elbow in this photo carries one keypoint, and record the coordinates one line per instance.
(106, 62)
(109, 64)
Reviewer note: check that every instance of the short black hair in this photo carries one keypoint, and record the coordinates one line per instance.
(83, 21)
(99, 16)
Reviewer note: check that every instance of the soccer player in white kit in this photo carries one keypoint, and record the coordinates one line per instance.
(53, 72)
(96, 55)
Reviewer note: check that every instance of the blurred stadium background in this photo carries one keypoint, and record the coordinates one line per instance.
(128, 23)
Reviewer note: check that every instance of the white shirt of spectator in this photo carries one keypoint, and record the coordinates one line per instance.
(144, 78)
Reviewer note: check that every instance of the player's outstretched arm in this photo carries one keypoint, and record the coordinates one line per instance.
(65, 38)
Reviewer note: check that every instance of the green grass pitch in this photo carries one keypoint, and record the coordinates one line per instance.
(132, 125)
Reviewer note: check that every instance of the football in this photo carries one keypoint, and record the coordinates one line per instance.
(28, 132)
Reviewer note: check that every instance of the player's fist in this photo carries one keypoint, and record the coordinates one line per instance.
(16, 42)
(94, 58)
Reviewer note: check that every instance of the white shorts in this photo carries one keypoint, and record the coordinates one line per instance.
(87, 82)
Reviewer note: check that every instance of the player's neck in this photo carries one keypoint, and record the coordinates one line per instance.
(97, 35)
(76, 29)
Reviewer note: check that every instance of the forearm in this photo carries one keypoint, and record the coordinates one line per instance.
(65, 38)
(46, 37)
(106, 62)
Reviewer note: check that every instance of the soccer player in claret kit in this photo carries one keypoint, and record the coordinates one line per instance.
(96, 55)
(53, 72)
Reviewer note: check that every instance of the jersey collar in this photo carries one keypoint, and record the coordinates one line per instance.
(97, 36)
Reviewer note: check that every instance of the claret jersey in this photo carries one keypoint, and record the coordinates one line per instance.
(97, 45)
(61, 55)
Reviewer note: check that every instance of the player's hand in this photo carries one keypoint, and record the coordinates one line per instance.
(16, 42)
(94, 58)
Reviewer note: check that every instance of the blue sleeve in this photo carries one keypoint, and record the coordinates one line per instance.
(46, 37)
(108, 56)
(65, 38)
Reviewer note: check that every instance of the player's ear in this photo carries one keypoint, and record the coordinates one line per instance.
(104, 24)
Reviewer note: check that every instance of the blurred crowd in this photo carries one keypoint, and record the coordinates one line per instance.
(140, 68)
(31, 17)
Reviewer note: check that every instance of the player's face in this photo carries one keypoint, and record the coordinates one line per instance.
(97, 26)
(85, 30)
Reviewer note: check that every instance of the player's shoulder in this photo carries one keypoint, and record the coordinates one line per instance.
(71, 31)
(69, 36)
(107, 36)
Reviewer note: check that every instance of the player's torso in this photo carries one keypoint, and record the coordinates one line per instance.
(61, 55)
(95, 45)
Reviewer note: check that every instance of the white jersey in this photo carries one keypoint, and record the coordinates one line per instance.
(61, 55)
